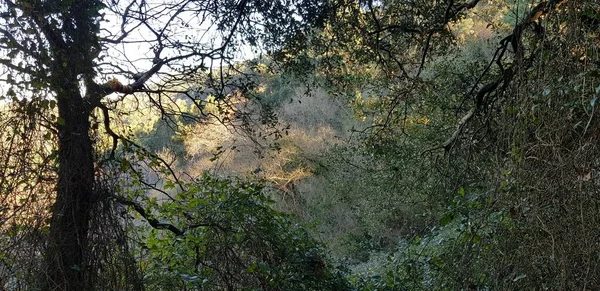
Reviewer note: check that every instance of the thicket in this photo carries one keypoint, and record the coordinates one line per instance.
(421, 145)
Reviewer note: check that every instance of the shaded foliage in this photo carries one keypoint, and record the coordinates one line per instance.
(226, 236)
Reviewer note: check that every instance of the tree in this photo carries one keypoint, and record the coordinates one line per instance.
(70, 55)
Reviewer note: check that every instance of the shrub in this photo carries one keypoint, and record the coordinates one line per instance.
(231, 239)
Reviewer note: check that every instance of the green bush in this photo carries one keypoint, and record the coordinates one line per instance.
(231, 239)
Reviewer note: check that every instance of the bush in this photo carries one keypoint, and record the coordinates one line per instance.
(231, 239)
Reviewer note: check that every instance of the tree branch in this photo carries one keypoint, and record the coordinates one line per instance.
(115, 137)
(156, 224)
(515, 39)
(10, 65)
(152, 221)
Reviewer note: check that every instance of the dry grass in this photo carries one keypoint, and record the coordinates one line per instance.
(314, 124)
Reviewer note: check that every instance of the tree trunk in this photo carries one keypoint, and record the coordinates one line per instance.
(67, 249)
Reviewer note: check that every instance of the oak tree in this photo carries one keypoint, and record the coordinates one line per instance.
(64, 62)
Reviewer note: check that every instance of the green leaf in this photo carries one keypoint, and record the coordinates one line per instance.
(447, 218)
(251, 268)
(123, 165)
(475, 238)
(461, 192)
(169, 185)
(417, 239)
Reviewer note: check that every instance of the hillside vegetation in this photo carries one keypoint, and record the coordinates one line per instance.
(395, 145)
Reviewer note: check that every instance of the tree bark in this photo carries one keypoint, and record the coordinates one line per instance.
(67, 249)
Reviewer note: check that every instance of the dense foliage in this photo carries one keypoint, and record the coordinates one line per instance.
(232, 240)
(299, 145)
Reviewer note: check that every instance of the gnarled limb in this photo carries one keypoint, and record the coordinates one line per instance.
(515, 40)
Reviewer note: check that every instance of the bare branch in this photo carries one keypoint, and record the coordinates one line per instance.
(10, 65)
(507, 74)
(152, 221)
